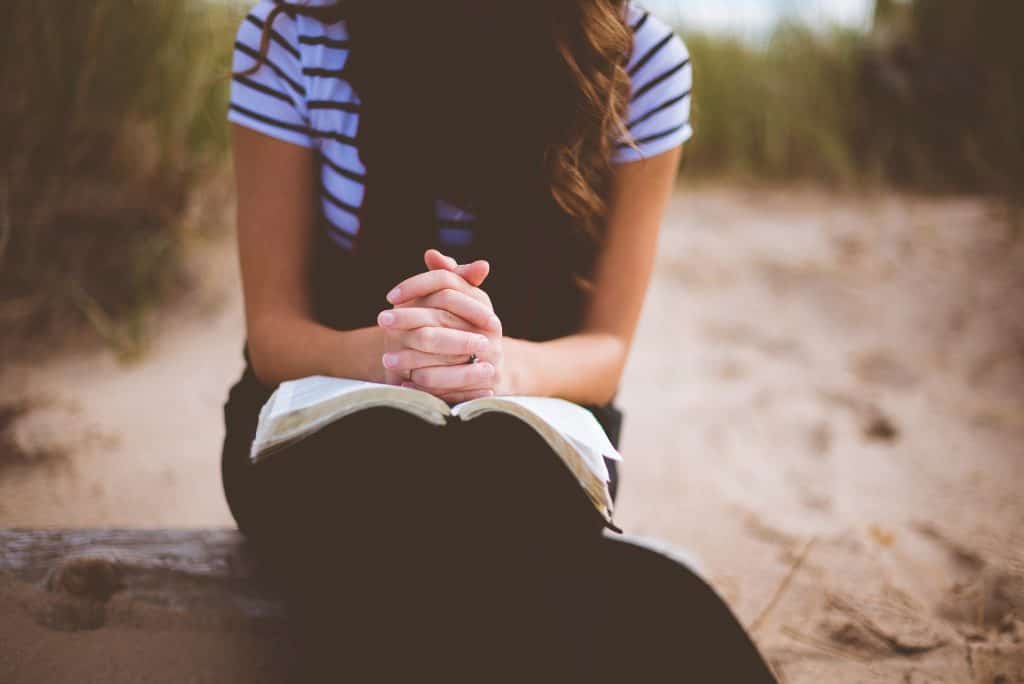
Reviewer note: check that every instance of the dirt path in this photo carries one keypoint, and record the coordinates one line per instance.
(110, 444)
(824, 404)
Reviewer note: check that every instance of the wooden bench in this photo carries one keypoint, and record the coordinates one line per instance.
(136, 605)
(118, 606)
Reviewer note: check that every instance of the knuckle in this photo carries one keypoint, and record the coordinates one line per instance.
(486, 373)
(402, 318)
(470, 306)
(441, 378)
(421, 376)
(450, 320)
(439, 341)
(428, 302)
(451, 341)
(445, 279)
(447, 297)
(484, 300)
(426, 337)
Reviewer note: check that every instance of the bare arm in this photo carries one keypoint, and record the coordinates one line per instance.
(587, 367)
(275, 226)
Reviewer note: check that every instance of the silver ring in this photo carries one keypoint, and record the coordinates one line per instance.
(473, 358)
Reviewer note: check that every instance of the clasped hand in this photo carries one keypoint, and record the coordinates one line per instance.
(440, 320)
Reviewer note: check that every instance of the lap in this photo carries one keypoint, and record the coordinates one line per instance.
(375, 447)
(384, 472)
(464, 546)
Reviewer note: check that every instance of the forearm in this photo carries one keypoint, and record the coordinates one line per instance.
(289, 347)
(584, 368)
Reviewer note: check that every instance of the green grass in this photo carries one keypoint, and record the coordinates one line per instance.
(932, 100)
(783, 112)
(113, 118)
(113, 115)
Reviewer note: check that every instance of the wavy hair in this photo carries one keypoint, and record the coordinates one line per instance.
(593, 42)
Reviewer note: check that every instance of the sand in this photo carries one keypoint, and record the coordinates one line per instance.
(824, 404)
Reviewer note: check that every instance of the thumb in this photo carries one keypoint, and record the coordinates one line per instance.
(436, 261)
(474, 274)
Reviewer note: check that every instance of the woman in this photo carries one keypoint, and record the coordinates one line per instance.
(535, 143)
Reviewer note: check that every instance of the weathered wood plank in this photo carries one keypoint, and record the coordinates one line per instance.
(205, 574)
(213, 554)
(138, 605)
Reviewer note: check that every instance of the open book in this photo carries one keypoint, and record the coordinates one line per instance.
(299, 408)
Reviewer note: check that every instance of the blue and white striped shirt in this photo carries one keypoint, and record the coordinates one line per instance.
(300, 96)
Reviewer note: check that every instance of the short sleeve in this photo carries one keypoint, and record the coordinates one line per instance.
(658, 117)
(272, 99)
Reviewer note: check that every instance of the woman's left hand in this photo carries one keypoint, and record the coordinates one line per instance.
(451, 288)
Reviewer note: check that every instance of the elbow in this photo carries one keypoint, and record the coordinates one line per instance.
(606, 392)
(262, 357)
(603, 397)
(607, 385)
(262, 368)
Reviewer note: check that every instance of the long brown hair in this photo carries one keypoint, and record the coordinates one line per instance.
(592, 42)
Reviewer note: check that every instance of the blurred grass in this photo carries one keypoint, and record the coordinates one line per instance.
(112, 117)
(786, 111)
(112, 122)
(931, 100)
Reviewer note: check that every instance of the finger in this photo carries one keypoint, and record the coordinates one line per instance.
(435, 260)
(435, 340)
(425, 284)
(410, 318)
(444, 379)
(464, 307)
(409, 359)
(475, 273)
(459, 397)
(453, 397)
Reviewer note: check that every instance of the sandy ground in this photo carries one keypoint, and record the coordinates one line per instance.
(824, 404)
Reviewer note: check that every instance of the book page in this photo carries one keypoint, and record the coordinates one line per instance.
(572, 420)
(299, 408)
(296, 395)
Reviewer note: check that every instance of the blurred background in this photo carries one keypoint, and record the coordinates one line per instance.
(824, 400)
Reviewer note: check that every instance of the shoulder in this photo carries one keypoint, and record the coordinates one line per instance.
(269, 88)
(656, 46)
(283, 22)
(302, 43)
(294, 31)
(661, 76)
(283, 49)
